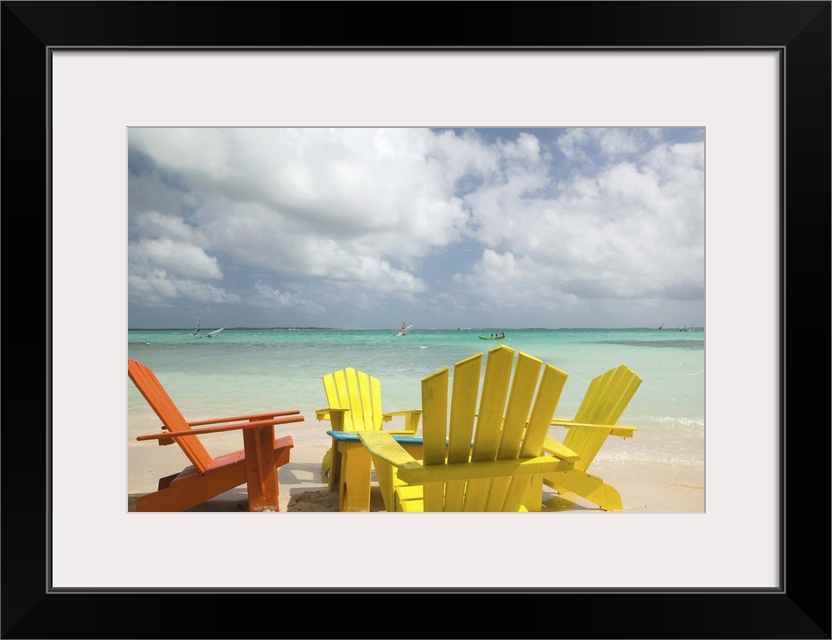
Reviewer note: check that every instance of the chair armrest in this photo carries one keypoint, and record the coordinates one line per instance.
(334, 414)
(411, 419)
(559, 450)
(324, 414)
(253, 416)
(255, 424)
(352, 436)
(615, 429)
(380, 444)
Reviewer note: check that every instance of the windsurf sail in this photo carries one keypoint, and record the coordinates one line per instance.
(405, 328)
(196, 329)
(211, 334)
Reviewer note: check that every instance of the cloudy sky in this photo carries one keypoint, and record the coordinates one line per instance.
(442, 228)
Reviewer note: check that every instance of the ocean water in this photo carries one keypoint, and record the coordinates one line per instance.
(243, 371)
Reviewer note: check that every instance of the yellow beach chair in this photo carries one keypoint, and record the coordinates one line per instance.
(508, 428)
(354, 405)
(603, 404)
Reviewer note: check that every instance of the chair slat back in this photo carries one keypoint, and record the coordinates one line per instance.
(511, 421)
(149, 386)
(605, 400)
(358, 392)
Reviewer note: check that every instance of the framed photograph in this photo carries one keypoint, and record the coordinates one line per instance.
(755, 77)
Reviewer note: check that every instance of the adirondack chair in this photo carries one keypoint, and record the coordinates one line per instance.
(354, 405)
(603, 404)
(499, 469)
(256, 465)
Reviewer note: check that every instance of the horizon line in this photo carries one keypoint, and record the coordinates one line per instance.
(294, 328)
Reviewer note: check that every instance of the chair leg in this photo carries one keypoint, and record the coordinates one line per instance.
(386, 476)
(261, 469)
(334, 475)
(532, 501)
(326, 464)
(354, 485)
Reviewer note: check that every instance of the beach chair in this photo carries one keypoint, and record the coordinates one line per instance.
(354, 405)
(255, 466)
(603, 404)
(507, 430)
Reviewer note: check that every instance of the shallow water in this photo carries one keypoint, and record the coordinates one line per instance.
(251, 370)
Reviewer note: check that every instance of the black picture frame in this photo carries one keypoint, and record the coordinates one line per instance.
(799, 31)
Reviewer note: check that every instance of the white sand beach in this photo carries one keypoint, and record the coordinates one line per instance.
(653, 488)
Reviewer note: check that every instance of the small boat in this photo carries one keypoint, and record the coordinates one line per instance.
(502, 337)
(405, 329)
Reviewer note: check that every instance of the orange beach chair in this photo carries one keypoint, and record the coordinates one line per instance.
(255, 465)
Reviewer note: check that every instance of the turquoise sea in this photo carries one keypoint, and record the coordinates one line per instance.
(242, 371)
